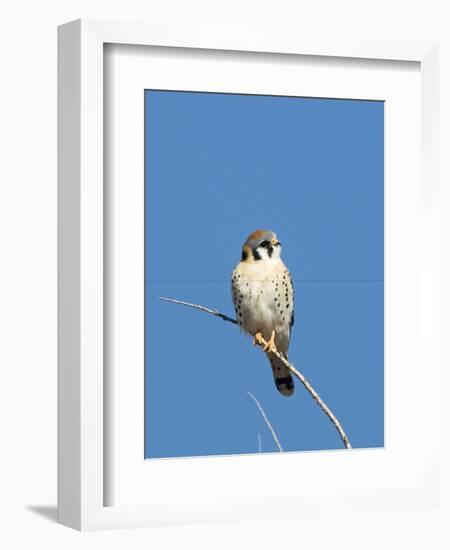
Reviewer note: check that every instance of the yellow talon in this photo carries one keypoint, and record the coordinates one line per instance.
(270, 345)
(257, 339)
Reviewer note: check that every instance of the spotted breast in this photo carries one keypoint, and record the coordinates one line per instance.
(264, 299)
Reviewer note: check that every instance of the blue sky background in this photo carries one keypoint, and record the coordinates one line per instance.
(219, 166)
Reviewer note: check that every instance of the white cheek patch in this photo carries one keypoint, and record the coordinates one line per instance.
(263, 253)
(276, 252)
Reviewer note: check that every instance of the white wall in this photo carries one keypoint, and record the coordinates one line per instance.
(28, 268)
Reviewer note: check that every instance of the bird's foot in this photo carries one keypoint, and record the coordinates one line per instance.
(270, 346)
(258, 339)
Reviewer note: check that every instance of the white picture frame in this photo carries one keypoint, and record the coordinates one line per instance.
(82, 484)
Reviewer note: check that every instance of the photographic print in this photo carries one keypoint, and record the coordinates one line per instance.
(264, 274)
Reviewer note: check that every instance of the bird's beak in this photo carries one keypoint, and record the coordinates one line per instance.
(275, 242)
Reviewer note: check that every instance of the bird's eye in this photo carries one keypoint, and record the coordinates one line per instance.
(264, 244)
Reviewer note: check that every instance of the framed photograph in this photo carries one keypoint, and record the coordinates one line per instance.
(247, 275)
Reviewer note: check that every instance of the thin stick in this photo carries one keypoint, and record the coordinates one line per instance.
(314, 395)
(259, 444)
(201, 308)
(261, 343)
(266, 420)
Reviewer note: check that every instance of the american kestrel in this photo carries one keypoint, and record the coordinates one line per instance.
(264, 300)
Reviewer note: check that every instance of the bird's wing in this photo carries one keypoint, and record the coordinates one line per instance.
(293, 303)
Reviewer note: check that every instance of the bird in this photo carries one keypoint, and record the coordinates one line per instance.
(263, 298)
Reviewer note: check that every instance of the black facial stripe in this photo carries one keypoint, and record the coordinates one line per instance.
(270, 251)
(256, 255)
(244, 256)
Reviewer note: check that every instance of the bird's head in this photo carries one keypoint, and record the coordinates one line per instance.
(261, 245)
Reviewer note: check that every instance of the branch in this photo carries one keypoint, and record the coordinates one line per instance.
(266, 420)
(261, 343)
(314, 395)
(201, 308)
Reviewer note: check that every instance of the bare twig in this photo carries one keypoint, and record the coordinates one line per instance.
(259, 444)
(201, 308)
(314, 395)
(267, 421)
(261, 343)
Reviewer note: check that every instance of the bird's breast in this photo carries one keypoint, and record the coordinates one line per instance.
(263, 299)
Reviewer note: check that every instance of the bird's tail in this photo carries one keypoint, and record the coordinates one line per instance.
(282, 376)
